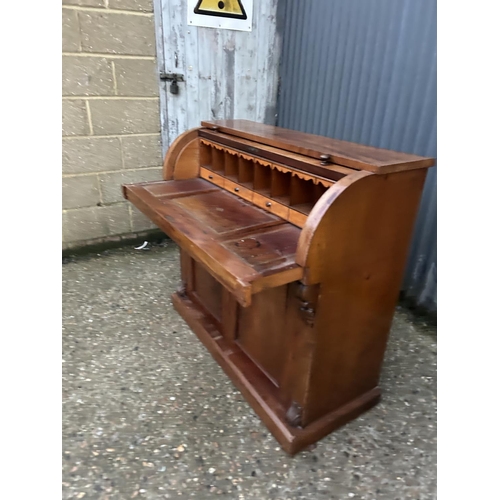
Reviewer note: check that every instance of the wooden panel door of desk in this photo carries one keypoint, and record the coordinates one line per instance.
(201, 287)
(215, 300)
(208, 292)
(261, 331)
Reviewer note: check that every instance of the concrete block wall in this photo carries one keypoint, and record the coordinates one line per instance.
(110, 122)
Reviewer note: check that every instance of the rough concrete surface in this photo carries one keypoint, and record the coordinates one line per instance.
(148, 414)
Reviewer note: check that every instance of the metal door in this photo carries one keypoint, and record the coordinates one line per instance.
(365, 71)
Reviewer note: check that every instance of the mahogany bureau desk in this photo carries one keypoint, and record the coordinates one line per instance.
(293, 248)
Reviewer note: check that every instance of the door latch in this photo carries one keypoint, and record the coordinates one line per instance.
(174, 78)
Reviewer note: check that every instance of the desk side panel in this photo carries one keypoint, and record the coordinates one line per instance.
(182, 158)
(356, 251)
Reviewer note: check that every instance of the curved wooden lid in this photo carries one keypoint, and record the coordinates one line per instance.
(349, 154)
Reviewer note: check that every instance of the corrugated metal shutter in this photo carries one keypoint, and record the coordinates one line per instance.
(365, 71)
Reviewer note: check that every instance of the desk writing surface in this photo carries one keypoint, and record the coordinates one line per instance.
(239, 243)
(223, 213)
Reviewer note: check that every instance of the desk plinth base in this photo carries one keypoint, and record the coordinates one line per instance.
(258, 390)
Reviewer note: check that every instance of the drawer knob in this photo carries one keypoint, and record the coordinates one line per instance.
(268, 204)
(210, 176)
(236, 189)
(325, 159)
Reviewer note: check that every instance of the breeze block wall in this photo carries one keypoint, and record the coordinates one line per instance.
(110, 117)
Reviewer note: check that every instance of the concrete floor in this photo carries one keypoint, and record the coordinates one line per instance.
(148, 414)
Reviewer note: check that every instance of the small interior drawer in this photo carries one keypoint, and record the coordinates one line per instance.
(243, 192)
(216, 179)
(297, 218)
(270, 205)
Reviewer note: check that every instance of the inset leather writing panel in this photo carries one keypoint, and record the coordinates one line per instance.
(181, 187)
(222, 212)
(265, 249)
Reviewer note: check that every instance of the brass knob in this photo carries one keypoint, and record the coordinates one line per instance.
(268, 204)
(325, 159)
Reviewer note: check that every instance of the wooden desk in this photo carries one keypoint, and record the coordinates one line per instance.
(293, 249)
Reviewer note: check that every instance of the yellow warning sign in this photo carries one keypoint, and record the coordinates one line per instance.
(221, 8)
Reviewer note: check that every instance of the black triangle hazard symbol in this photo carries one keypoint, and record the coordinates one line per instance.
(221, 8)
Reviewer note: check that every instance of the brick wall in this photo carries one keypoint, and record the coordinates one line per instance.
(110, 121)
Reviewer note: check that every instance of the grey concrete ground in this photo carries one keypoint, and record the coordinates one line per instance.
(148, 414)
